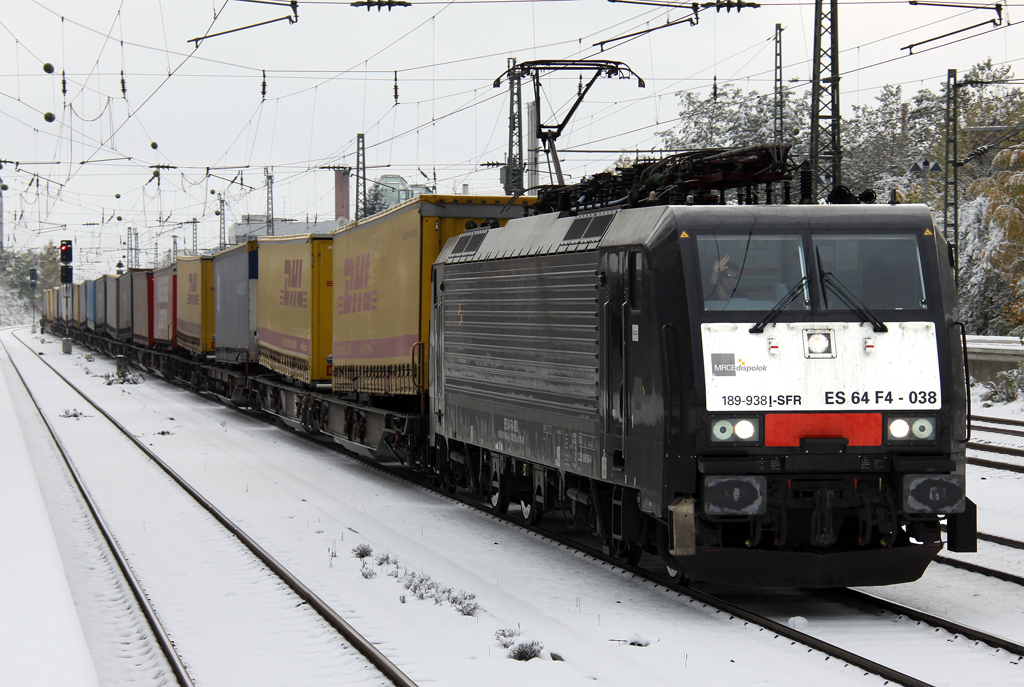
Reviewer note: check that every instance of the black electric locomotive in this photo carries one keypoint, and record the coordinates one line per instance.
(768, 395)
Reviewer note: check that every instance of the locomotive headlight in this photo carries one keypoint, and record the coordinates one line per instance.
(818, 343)
(911, 428)
(923, 428)
(745, 429)
(735, 430)
(722, 431)
(899, 428)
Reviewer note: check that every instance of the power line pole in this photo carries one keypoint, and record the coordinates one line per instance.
(360, 175)
(195, 236)
(223, 226)
(779, 105)
(951, 195)
(270, 201)
(174, 248)
(513, 171)
(826, 150)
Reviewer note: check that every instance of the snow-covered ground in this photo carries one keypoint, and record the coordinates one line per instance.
(304, 504)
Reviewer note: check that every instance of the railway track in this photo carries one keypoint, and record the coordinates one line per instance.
(184, 547)
(692, 595)
(1001, 426)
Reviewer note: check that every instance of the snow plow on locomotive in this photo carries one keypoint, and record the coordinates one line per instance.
(764, 395)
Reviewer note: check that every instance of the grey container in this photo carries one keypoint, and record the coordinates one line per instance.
(124, 307)
(236, 303)
(101, 305)
(110, 321)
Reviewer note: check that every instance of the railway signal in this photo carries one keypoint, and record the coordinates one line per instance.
(65, 251)
(66, 276)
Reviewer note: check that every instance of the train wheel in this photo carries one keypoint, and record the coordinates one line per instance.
(674, 574)
(530, 512)
(627, 553)
(499, 500)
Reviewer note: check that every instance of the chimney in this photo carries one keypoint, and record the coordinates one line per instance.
(341, 203)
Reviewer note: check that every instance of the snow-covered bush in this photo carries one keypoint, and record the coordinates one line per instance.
(1007, 386)
(524, 651)
(464, 602)
(362, 551)
(422, 587)
(506, 637)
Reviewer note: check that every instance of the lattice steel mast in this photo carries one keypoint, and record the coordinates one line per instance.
(826, 149)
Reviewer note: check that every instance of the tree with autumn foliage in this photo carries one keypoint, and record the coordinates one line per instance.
(992, 248)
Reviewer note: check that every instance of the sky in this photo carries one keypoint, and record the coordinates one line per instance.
(199, 110)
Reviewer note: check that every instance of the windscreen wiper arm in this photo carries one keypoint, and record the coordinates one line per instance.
(830, 280)
(779, 307)
(821, 278)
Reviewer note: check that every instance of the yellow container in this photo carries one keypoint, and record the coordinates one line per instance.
(382, 296)
(295, 305)
(77, 307)
(195, 303)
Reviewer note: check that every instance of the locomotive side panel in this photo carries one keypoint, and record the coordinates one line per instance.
(520, 358)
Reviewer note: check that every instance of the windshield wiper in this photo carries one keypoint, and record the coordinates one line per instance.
(852, 302)
(779, 307)
(821, 278)
(829, 280)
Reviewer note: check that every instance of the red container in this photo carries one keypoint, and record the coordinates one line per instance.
(142, 307)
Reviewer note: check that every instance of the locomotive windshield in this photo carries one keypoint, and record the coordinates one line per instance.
(742, 272)
(883, 272)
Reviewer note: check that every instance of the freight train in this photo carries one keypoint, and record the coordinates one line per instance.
(759, 393)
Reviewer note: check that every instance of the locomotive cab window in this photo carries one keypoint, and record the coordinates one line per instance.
(882, 271)
(741, 272)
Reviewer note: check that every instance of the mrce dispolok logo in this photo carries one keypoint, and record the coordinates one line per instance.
(726, 365)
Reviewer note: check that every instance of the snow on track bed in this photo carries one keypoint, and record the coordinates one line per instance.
(232, 621)
(912, 647)
(300, 501)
